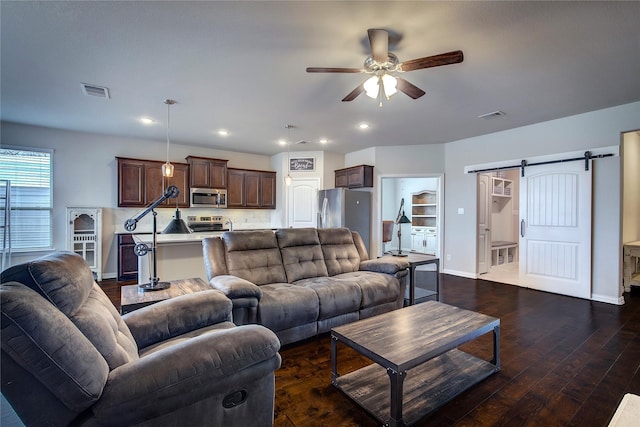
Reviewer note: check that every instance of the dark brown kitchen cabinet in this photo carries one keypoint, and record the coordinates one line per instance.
(251, 189)
(156, 184)
(127, 259)
(268, 190)
(140, 182)
(207, 173)
(354, 177)
(131, 191)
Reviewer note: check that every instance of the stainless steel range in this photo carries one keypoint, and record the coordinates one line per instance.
(206, 223)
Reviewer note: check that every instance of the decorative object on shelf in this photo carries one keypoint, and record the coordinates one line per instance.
(167, 168)
(141, 249)
(177, 224)
(401, 219)
(382, 63)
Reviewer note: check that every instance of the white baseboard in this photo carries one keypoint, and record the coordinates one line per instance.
(460, 273)
(109, 276)
(608, 299)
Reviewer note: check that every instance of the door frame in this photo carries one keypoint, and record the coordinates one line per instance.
(376, 217)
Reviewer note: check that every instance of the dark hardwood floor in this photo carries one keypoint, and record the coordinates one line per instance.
(564, 362)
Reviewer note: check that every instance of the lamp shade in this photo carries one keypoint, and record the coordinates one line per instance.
(403, 219)
(176, 225)
(371, 87)
(389, 83)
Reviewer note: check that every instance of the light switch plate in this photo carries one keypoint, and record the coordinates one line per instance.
(460, 211)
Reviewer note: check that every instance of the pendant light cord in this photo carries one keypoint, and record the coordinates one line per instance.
(168, 125)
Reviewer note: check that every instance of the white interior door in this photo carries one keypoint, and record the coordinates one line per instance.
(302, 202)
(484, 223)
(555, 229)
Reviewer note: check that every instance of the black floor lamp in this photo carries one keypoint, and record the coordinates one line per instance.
(401, 219)
(141, 249)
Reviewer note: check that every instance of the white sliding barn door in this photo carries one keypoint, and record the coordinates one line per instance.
(302, 202)
(555, 229)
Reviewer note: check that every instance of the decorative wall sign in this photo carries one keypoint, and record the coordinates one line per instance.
(302, 164)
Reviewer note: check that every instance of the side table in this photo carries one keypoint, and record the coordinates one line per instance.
(416, 260)
(132, 297)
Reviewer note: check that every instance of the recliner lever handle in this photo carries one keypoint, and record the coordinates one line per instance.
(234, 399)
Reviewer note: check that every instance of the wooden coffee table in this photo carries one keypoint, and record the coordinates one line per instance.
(417, 348)
(132, 297)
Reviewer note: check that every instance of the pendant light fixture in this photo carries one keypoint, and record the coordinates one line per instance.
(167, 168)
(287, 180)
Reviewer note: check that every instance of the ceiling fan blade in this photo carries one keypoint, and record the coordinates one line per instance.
(353, 94)
(379, 41)
(333, 70)
(409, 88)
(432, 61)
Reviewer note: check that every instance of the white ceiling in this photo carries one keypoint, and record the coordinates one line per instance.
(241, 66)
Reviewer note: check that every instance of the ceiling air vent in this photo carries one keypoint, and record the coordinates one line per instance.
(94, 90)
(492, 115)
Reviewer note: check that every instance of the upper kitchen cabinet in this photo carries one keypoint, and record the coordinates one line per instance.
(207, 173)
(354, 177)
(140, 182)
(251, 189)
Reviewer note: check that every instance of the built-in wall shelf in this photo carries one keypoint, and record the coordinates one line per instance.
(424, 222)
(504, 253)
(501, 187)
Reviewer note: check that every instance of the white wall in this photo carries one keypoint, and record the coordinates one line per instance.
(590, 130)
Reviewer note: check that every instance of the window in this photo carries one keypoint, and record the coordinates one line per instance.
(28, 172)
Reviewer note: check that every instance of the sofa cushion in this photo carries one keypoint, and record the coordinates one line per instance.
(284, 306)
(340, 253)
(336, 296)
(376, 288)
(66, 281)
(254, 256)
(301, 253)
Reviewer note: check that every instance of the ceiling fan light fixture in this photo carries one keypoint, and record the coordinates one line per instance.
(372, 87)
(389, 82)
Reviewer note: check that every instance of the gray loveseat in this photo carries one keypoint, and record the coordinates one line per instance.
(69, 358)
(304, 281)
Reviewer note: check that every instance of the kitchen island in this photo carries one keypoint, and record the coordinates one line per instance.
(179, 256)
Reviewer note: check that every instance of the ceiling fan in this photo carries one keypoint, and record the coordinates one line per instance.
(382, 63)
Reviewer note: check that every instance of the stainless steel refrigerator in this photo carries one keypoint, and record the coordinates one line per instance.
(340, 207)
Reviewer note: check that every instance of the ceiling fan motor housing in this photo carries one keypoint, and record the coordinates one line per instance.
(372, 66)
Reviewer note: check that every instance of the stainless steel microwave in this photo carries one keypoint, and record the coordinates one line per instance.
(208, 198)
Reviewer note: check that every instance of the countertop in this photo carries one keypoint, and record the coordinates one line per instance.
(184, 238)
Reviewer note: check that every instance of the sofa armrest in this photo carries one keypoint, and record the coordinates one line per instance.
(235, 287)
(386, 265)
(176, 316)
(183, 374)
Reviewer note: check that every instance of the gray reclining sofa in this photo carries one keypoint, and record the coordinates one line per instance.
(69, 358)
(304, 281)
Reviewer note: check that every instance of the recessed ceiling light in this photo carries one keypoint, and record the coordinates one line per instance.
(363, 126)
(146, 121)
(223, 132)
(324, 141)
(282, 142)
